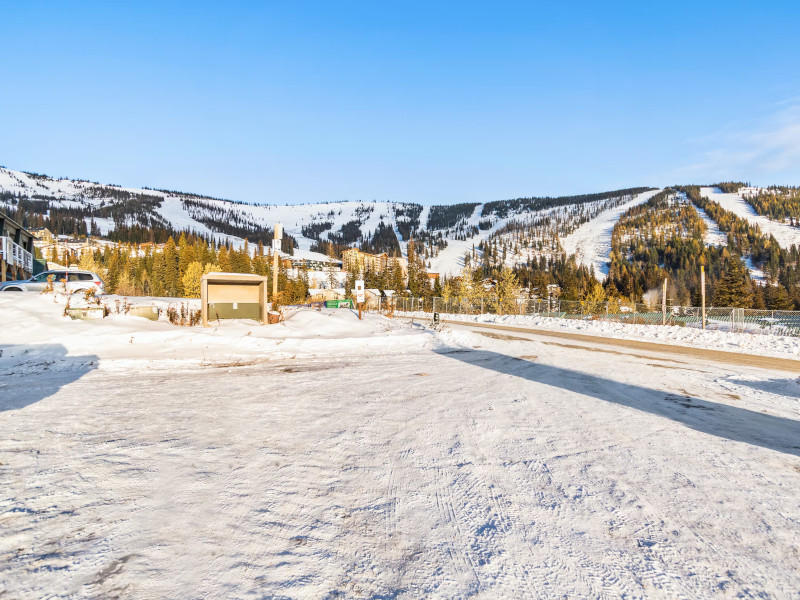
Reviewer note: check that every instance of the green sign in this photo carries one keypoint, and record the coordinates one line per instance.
(338, 304)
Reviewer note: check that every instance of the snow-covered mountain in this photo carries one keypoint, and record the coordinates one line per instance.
(447, 232)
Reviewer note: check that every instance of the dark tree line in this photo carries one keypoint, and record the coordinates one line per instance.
(407, 219)
(449, 216)
(502, 208)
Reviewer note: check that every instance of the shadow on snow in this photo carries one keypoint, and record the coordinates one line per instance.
(713, 418)
(29, 373)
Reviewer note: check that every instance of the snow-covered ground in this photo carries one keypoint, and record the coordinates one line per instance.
(591, 242)
(328, 457)
(785, 234)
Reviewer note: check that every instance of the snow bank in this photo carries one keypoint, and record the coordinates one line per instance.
(747, 343)
(119, 338)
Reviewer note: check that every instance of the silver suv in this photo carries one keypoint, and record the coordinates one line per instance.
(75, 280)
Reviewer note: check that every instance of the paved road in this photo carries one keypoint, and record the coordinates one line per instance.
(719, 356)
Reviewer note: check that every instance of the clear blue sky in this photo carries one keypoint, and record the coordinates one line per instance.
(287, 102)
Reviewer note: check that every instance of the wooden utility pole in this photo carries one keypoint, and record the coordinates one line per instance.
(276, 246)
(703, 293)
(664, 303)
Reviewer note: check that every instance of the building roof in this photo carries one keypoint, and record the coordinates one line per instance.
(6, 219)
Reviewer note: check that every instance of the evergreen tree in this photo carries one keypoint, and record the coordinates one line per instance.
(192, 280)
(437, 288)
(507, 291)
(734, 288)
(157, 278)
(172, 282)
(413, 270)
(777, 298)
(331, 267)
(186, 254)
(224, 259)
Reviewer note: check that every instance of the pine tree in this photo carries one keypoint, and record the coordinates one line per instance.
(437, 288)
(777, 298)
(186, 254)
(449, 290)
(594, 292)
(413, 270)
(157, 275)
(224, 260)
(192, 280)
(172, 281)
(734, 289)
(507, 291)
(331, 266)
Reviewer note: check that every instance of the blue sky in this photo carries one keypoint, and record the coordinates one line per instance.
(431, 102)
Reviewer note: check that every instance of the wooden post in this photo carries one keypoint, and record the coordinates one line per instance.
(274, 274)
(276, 246)
(204, 301)
(2, 269)
(703, 293)
(664, 303)
(262, 300)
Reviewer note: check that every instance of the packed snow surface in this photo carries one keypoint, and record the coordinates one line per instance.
(785, 234)
(591, 242)
(327, 457)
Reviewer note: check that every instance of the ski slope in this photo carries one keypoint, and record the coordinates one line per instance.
(305, 460)
(785, 234)
(713, 236)
(450, 260)
(591, 242)
(75, 193)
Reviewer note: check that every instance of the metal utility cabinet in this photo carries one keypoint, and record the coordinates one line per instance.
(233, 296)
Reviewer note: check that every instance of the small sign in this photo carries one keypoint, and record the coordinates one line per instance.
(276, 245)
(360, 291)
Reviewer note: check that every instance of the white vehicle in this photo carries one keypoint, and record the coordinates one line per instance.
(74, 280)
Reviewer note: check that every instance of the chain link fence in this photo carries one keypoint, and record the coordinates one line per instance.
(774, 322)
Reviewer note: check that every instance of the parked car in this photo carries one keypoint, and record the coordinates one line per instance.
(76, 281)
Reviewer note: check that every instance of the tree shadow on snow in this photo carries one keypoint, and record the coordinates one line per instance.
(722, 420)
(29, 373)
(780, 386)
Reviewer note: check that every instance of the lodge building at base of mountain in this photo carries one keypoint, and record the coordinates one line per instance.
(356, 260)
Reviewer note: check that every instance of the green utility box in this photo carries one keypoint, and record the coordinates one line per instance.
(338, 304)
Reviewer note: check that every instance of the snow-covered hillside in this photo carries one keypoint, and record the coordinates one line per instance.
(591, 242)
(447, 232)
(785, 234)
(190, 212)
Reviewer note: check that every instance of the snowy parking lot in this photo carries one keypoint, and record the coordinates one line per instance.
(326, 457)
